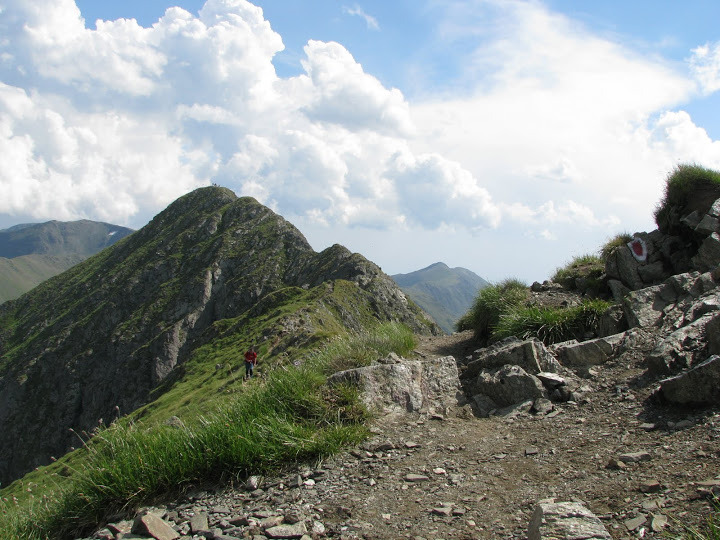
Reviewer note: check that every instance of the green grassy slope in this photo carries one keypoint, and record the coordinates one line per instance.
(34, 252)
(157, 324)
(20, 274)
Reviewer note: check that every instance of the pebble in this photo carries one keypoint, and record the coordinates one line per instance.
(635, 457)
(635, 523)
(650, 486)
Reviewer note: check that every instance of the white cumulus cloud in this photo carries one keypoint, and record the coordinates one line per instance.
(356, 10)
(547, 127)
(705, 64)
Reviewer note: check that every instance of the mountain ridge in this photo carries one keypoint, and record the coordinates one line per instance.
(30, 253)
(445, 293)
(125, 318)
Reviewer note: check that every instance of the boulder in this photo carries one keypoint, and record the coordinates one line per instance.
(708, 225)
(644, 307)
(621, 265)
(613, 320)
(508, 386)
(681, 348)
(553, 520)
(581, 356)
(408, 386)
(530, 354)
(483, 406)
(708, 256)
(551, 381)
(699, 385)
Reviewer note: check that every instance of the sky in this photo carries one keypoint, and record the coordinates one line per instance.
(501, 136)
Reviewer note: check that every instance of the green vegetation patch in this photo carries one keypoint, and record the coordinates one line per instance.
(286, 417)
(583, 273)
(617, 241)
(503, 310)
(549, 324)
(490, 303)
(688, 187)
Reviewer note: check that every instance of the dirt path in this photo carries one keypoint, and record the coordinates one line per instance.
(462, 477)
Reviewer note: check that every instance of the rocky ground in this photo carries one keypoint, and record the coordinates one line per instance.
(644, 469)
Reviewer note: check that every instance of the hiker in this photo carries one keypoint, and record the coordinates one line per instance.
(250, 361)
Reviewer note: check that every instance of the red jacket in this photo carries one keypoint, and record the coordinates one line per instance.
(251, 357)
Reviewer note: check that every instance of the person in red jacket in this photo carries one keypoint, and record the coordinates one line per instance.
(250, 361)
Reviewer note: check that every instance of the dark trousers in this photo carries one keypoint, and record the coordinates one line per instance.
(249, 369)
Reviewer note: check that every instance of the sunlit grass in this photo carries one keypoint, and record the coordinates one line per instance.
(291, 416)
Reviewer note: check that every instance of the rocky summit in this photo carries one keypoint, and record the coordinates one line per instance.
(114, 332)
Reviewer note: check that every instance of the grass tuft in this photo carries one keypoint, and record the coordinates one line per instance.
(489, 304)
(617, 241)
(291, 416)
(583, 272)
(688, 187)
(551, 325)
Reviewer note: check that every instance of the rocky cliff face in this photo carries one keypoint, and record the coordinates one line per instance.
(107, 332)
(690, 242)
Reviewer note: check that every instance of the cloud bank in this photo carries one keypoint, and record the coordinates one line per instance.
(557, 132)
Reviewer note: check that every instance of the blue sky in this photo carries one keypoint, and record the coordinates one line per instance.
(503, 136)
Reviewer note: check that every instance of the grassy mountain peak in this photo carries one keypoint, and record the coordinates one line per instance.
(208, 276)
(444, 293)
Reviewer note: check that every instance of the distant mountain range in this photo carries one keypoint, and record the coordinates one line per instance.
(445, 293)
(30, 253)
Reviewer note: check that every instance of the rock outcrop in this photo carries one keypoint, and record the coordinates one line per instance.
(692, 243)
(405, 386)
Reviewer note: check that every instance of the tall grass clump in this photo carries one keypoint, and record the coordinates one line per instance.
(551, 324)
(291, 416)
(617, 241)
(688, 187)
(340, 354)
(489, 304)
(709, 529)
(584, 267)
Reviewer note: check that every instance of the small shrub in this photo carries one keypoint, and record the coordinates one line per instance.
(614, 243)
(549, 324)
(689, 187)
(490, 303)
(582, 274)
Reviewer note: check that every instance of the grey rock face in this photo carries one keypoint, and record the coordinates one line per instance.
(699, 385)
(708, 256)
(680, 349)
(406, 386)
(509, 385)
(531, 355)
(553, 520)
